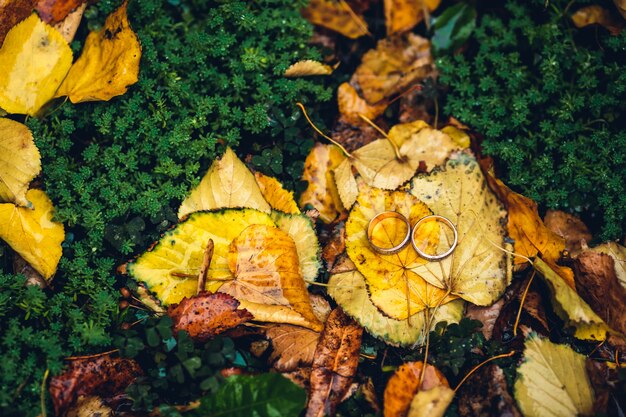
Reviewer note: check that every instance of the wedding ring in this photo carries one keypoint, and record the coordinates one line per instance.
(440, 219)
(377, 219)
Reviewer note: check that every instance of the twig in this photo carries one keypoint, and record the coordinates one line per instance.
(521, 303)
(204, 269)
(474, 369)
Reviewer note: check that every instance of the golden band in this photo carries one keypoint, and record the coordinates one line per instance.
(379, 218)
(441, 219)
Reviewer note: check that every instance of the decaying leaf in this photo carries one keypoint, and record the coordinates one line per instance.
(69, 25)
(335, 246)
(351, 105)
(91, 406)
(395, 65)
(404, 384)
(335, 364)
(431, 403)
(552, 381)
(53, 11)
(292, 346)
(347, 286)
(12, 13)
(336, 16)
(487, 395)
(34, 59)
(104, 376)
(569, 227)
(478, 270)
(108, 64)
(618, 253)
(32, 233)
(20, 161)
(403, 15)
(264, 262)
(306, 68)
(207, 314)
(227, 184)
(346, 184)
(487, 315)
(276, 196)
(596, 14)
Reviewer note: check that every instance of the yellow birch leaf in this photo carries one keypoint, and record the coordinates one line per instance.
(351, 105)
(227, 184)
(264, 262)
(170, 268)
(479, 269)
(403, 15)
(32, 233)
(394, 286)
(417, 143)
(431, 403)
(346, 184)
(459, 136)
(618, 253)
(552, 381)
(336, 16)
(306, 68)
(20, 162)
(109, 63)
(276, 196)
(34, 59)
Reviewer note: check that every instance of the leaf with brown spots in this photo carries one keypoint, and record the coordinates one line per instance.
(337, 16)
(335, 364)
(103, 376)
(13, 12)
(207, 314)
(569, 227)
(292, 346)
(54, 11)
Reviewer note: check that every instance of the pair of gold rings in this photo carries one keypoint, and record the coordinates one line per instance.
(410, 234)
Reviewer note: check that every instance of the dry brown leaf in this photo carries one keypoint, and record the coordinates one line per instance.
(13, 12)
(351, 105)
(337, 16)
(20, 162)
(54, 11)
(393, 67)
(621, 7)
(335, 364)
(569, 227)
(306, 68)
(487, 395)
(403, 15)
(618, 253)
(596, 14)
(486, 315)
(405, 383)
(91, 406)
(207, 314)
(276, 196)
(68, 26)
(292, 346)
(335, 246)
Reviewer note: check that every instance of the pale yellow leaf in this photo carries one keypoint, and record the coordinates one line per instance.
(459, 136)
(346, 184)
(276, 196)
(274, 313)
(307, 67)
(431, 403)
(20, 161)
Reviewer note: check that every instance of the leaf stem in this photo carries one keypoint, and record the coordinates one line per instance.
(43, 393)
(322, 133)
(521, 303)
(396, 149)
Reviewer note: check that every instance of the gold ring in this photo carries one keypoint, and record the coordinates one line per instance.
(438, 219)
(379, 218)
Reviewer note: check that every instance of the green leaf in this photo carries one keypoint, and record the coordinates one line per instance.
(266, 395)
(453, 28)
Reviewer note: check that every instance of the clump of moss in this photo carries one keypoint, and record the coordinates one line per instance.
(550, 101)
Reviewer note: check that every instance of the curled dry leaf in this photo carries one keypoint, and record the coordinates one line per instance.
(91, 406)
(306, 68)
(337, 16)
(108, 64)
(103, 376)
(479, 269)
(68, 26)
(569, 227)
(393, 67)
(207, 315)
(351, 105)
(335, 246)
(276, 196)
(403, 15)
(335, 364)
(54, 11)
(34, 59)
(598, 15)
(227, 184)
(20, 162)
(487, 395)
(12, 13)
(32, 233)
(404, 384)
(292, 346)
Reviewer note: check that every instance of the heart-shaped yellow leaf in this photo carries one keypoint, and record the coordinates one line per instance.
(32, 233)
(20, 161)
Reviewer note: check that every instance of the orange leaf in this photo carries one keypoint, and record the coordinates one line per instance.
(293, 346)
(13, 12)
(403, 15)
(337, 16)
(53, 11)
(596, 14)
(276, 196)
(351, 105)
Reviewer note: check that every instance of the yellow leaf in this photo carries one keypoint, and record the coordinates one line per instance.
(351, 105)
(276, 196)
(596, 14)
(349, 290)
(621, 7)
(431, 403)
(20, 161)
(307, 67)
(264, 262)
(281, 314)
(403, 15)
(170, 268)
(570, 307)
(417, 143)
(346, 184)
(552, 381)
(32, 233)
(108, 64)
(302, 231)
(479, 269)
(34, 59)
(406, 382)
(337, 16)
(459, 136)
(618, 253)
(227, 184)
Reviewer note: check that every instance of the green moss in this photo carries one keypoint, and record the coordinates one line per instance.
(550, 101)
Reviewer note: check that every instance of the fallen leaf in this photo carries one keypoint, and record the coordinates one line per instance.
(103, 375)
(596, 14)
(32, 233)
(306, 68)
(552, 381)
(402, 15)
(292, 346)
(431, 403)
(336, 16)
(91, 406)
(346, 184)
(351, 105)
(487, 315)
(335, 364)
(395, 65)
(276, 196)
(108, 64)
(264, 262)
(405, 383)
(459, 136)
(227, 184)
(621, 7)
(321, 192)
(12, 13)
(618, 253)
(347, 287)
(393, 285)
(170, 268)
(569, 227)
(479, 269)
(34, 59)
(20, 162)
(68, 26)
(335, 246)
(487, 395)
(353, 136)
(207, 315)
(54, 11)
